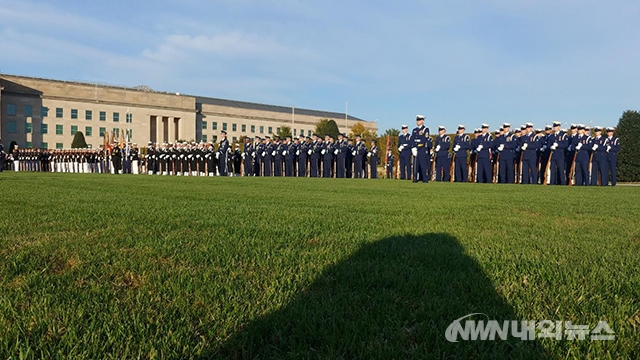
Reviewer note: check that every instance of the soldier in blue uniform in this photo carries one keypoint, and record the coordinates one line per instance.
(582, 148)
(483, 150)
(223, 150)
(443, 143)
(390, 160)
(258, 151)
(289, 156)
(327, 157)
(247, 156)
(303, 156)
(373, 159)
(278, 158)
(599, 166)
(613, 146)
(529, 147)
(420, 150)
(267, 155)
(461, 144)
(404, 153)
(349, 159)
(340, 151)
(545, 153)
(507, 143)
(314, 154)
(359, 154)
(570, 153)
(557, 142)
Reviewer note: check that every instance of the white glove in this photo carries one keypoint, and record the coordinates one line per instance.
(284, 153)
(336, 151)
(353, 153)
(569, 148)
(554, 147)
(595, 147)
(323, 151)
(437, 148)
(243, 155)
(273, 153)
(456, 148)
(264, 153)
(400, 148)
(369, 154)
(190, 156)
(414, 151)
(479, 148)
(555, 144)
(608, 148)
(501, 147)
(309, 152)
(525, 146)
(298, 152)
(579, 146)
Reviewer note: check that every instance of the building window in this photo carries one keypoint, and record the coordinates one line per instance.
(74, 129)
(204, 138)
(59, 146)
(102, 131)
(44, 128)
(204, 125)
(103, 116)
(116, 132)
(28, 128)
(29, 144)
(270, 130)
(59, 130)
(235, 139)
(28, 111)
(224, 126)
(214, 138)
(74, 113)
(234, 127)
(88, 115)
(261, 129)
(11, 109)
(253, 128)
(44, 111)
(244, 128)
(214, 125)
(129, 118)
(278, 131)
(59, 113)
(44, 145)
(308, 132)
(11, 127)
(129, 133)
(116, 117)
(88, 131)
(295, 132)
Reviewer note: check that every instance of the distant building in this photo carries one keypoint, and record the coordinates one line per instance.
(47, 113)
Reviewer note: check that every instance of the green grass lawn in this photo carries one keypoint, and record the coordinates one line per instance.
(102, 266)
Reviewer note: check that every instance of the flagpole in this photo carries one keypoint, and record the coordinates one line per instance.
(293, 118)
(346, 111)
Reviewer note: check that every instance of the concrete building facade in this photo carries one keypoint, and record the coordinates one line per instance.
(43, 113)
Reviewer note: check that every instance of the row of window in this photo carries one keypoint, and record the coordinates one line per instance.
(234, 127)
(44, 129)
(88, 114)
(45, 145)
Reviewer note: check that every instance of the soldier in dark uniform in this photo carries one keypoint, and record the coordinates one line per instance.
(570, 153)
(582, 148)
(340, 151)
(315, 153)
(390, 160)
(506, 145)
(116, 159)
(327, 157)
(150, 158)
(529, 146)
(258, 150)
(599, 166)
(404, 153)
(289, 156)
(303, 155)
(461, 144)
(373, 159)
(223, 151)
(443, 142)
(278, 157)
(184, 160)
(267, 155)
(545, 152)
(359, 153)
(420, 150)
(349, 159)
(247, 157)
(236, 159)
(613, 146)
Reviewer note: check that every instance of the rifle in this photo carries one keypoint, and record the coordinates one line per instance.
(572, 169)
(495, 168)
(433, 167)
(452, 167)
(547, 169)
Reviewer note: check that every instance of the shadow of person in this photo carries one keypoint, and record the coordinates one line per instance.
(394, 298)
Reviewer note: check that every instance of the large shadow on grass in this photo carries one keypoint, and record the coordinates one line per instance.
(392, 299)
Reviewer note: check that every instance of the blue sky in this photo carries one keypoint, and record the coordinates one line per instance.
(454, 61)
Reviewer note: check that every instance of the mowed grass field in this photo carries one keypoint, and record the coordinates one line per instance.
(102, 266)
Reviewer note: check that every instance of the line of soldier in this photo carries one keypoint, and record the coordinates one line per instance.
(524, 156)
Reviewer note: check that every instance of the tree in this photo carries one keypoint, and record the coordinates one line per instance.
(359, 129)
(628, 131)
(78, 141)
(391, 132)
(327, 127)
(284, 132)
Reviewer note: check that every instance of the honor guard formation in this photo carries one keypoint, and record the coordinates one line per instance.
(523, 156)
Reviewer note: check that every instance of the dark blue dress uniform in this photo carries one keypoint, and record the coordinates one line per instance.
(349, 160)
(359, 160)
(316, 148)
(599, 166)
(461, 144)
(420, 151)
(267, 154)
(290, 158)
(529, 146)
(327, 160)
(404, 152)
(443, 142)
(613, 146)
(506, 147)
(373, 161)
(483, 150)
(223, 149)
(340, 151)
(258, 160)
(303, 155)
(583, 147)
(247, 156)
(570, 153)
(278, 158)
(389, 165)
(558, 143)
(544, 153)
